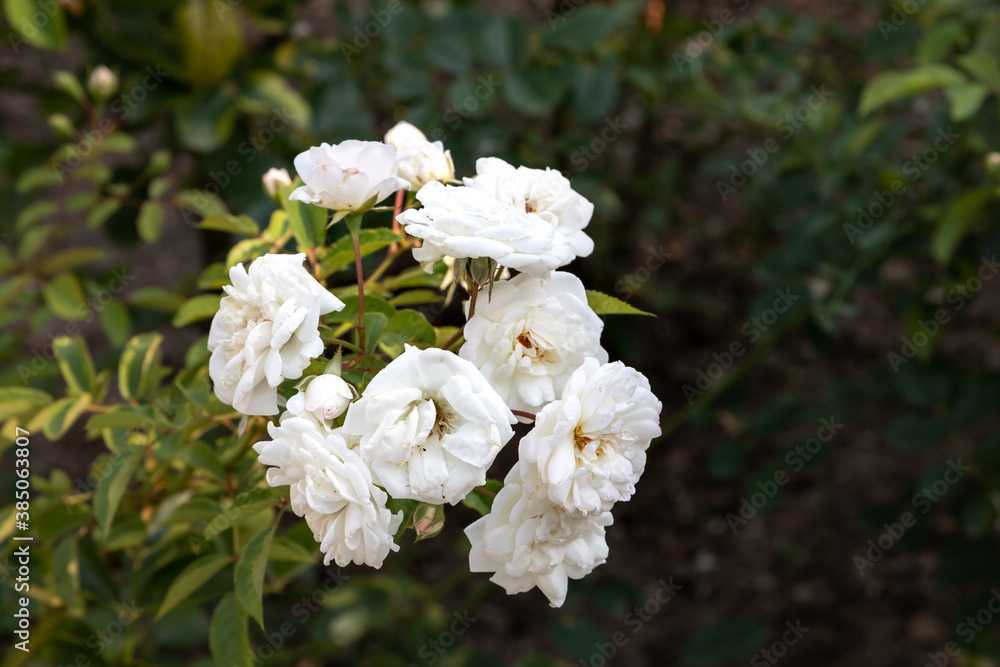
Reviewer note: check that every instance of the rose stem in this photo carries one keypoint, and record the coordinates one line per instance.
(395, 211)
(522, 413)
(361, 291)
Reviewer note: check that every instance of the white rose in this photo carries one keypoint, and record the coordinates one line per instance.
(266, 331)
(466, 222)
(332, 488)
(542, 191)
(274, 180)
(590, 446)
(324, 399)
(530, 337)
(420, 161)
(527, 541)
(345, 176)
(429, 425)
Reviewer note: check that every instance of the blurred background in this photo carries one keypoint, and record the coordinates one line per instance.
(804, 195)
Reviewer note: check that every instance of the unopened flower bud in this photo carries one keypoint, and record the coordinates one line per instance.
(103, 83)
(274, 180)
(327, 396)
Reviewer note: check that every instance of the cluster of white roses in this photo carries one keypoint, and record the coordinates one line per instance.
(430, 424)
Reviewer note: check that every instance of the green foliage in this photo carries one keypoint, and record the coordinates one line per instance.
(174, 518)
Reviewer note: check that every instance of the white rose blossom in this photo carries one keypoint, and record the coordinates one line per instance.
(429, 425)
(543, 191)
(527, 541)
(530, 336)
(345, 176)
(266, 331)
(459, 221)
(420, 161)
(590, 446)
(324, 399)
(332, 488)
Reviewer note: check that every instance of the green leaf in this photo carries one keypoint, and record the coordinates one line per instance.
(70, 258)
(605, 304)
(197, 308)
(37, 177)
(984, 66)
(267, 92)
(119, 142)
(956, 222)
(595, 91)
(102, 212)
(15, 401)
(75, 364)
(236, 224)
(408, 326)
(117, 323)
(249, 575)
(150, 221)
(156, 298)
(66, 575)
(228, 634)
(340, 254)
(580, 30)
(534, 92)
(892, 85)
(287, 550)
(965, 100)
(201, 202)
(119, 417)
(138, 358)
(190, 579)
(307, 222)
(56, 419)
(211, 41)
(113, 484)
(374, 326)
(202, 457)
(727, 641)
(64, 297)
(32, 213)
(205, 121)
(915, 433)
(48, 31)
